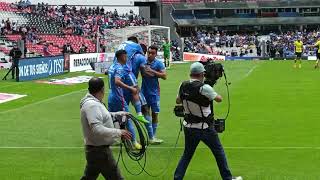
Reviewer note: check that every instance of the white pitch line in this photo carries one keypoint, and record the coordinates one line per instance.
(39, 102)
(10, 85)
(250, 71)
(171, 147)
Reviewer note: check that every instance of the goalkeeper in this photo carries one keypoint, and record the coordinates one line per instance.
(166, 52)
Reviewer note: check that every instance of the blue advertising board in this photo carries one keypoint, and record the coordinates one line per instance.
(40, 67)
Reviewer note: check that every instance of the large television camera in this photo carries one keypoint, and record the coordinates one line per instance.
(214, 71)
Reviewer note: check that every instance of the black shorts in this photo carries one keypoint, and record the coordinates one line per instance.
(298, 54)
(318, 55)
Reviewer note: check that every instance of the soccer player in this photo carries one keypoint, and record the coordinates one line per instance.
(138, 65)
(298, 47)
(166, 53)
(151, 88)
(116, 101)
(132, 48)
(317, 45)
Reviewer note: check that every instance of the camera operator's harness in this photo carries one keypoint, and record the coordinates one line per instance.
(191, 92)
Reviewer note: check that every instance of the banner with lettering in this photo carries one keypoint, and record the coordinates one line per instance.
(82, 62)
(40, 67)
(201, 57)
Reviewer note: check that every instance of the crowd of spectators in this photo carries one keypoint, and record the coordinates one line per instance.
(10, 27)
(84, 21)
(282, 45)
(220, 43)
(87, 21)
(276, 44)
(27, 33)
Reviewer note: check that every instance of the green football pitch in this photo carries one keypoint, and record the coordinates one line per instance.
(272, 132)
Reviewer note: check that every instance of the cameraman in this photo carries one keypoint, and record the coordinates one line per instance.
(99, 133)
(197, 99)
(15, 55)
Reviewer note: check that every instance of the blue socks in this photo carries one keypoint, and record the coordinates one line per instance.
(149, 126)
(137, 106)
(154, 128)
(131, 130)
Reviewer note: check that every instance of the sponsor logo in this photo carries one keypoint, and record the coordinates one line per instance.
(35, 68)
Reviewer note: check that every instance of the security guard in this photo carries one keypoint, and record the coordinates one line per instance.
(197, 100)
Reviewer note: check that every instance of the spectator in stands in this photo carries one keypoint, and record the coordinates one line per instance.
(67, 48)
(273, 51)
(46, 50)
(102, 48)
(175, 50)
(8, 25)
(14, 28)
(83, 49)
(3, 25)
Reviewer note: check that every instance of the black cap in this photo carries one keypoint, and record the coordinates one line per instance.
(95, 85)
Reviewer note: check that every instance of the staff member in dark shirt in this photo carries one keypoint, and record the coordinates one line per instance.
(15, 55)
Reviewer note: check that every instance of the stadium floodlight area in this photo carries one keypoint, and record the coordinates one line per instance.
(148, 35)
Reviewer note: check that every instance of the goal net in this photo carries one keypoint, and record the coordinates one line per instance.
(148, 35)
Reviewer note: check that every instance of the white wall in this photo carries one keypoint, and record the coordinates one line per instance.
(82, 2)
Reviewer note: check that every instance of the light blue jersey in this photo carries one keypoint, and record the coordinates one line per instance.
(131, 48)
(138, 61)
(116, 101)
(150, 85)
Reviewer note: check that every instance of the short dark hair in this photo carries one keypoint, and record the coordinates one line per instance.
(95, 85)
(144, 47)
(154, 47)
(120, 52)
(133, 39)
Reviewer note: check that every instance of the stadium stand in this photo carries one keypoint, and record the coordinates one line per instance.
(250, 44)
(55, 26)
(210, 1)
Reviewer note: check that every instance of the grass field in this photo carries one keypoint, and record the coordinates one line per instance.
(272, 131)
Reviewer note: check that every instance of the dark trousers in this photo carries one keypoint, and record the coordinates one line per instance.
(15, 71)
(210, 138)
(100, 160)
